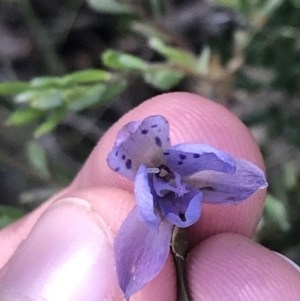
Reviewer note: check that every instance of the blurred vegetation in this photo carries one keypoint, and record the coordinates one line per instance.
(69, 69)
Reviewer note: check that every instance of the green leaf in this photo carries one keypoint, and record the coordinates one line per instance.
(86, 76)
(247, 7)
(229, 3)
(148, 30)
(241, 38)
(23, 116)
(53, 120)
(289, 175)
(45, 99)
(269, 7)
(174, 55)
(163, 79)
(84, 97)
(123, 61)
(45, 82)
(79, 77)
(9, 214)
(276, 212)
(113, 89)
(26, 96)
(203, 61)
(296, 3)
(37, 158)
(13, 87)
(110, 6)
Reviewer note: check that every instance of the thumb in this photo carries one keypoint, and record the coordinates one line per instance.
(68, 255)
(63, 257)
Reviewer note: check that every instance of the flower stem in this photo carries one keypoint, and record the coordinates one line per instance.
(179, 246)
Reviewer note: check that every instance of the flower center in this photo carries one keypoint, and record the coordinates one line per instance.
(165, 181)
(165, 173)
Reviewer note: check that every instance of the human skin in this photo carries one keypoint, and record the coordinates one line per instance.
(63, 250)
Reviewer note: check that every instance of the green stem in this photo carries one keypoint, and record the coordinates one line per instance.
(179, 248)
(52, 61)
(66, 20)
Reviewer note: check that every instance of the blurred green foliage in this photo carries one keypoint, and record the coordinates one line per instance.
(9, 214)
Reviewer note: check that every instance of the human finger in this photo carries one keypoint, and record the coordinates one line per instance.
(68, 254)
(233, 267)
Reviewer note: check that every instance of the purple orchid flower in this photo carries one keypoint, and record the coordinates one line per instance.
(170, 184)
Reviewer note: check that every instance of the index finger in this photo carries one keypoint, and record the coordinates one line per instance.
(192, 119)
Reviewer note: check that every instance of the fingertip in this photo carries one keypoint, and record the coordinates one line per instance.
(83, 223)
(67, 255)
(232, 267)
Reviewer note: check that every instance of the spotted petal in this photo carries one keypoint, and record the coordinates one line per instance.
(140, 143)
(227, 189)
(145, 200)
(140, 253)
(125, 132)
(182, 211)
(190, 158)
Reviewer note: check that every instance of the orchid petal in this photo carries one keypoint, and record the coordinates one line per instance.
(190, 158)
(140, 143)
(225, 189)
(183, 211)
(140, 253)
(145, 200)
(125, 132)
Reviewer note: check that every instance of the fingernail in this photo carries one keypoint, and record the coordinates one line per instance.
(289, 261)
(67, 256)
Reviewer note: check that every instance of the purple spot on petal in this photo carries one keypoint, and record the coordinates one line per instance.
(166, 153)
(168, 139)
(144, 132)
(182, 157)
(117, 152)
(207, 188)
(196, 155)
(180, 163)
(128, 164)
(154, 125)
(117, 169)
(158, 141)
(123, 157)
